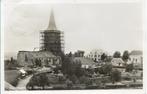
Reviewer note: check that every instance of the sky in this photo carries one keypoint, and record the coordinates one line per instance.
(86, 26)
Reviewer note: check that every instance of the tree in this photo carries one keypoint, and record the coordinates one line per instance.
(33, 82)
(62, 79)
(69, 84)
(78, 70)
(43, 80)
(90, 71)
(105, 69)
(103, 57)
(64, 64)
(115, 76)
(71, 67)
(129, 67)
(117, 54)
(108, 59)
(70, 54)
(125, 56)
(57, 69)
(12, 60)
(83, 79)
(74, 79)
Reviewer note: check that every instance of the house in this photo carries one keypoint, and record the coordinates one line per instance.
(96, 54)
(118, 64)
(31, 58)
(86, 62)
(136, 57)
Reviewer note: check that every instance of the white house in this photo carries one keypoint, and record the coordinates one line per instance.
(86, 62)
(117, 62)
(96, 54)
(136, 57)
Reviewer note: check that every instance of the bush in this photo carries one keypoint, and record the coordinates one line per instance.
(105, 69)
(115, 76)
(40, 80)
(74, 79)
(84, 80)
(129, 67)
(62, 79)
(69, 84)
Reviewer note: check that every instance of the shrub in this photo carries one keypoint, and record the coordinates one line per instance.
(74, 79)
(129, 67)
(105, 69)
(83, 79)
(115, 76)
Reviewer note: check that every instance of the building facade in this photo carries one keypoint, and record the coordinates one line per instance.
(136, 57)
(51, 38)
(31, 58)
(85, 62)
(118, 64)
(96, 54)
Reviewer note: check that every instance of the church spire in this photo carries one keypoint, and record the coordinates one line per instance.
(52, 24)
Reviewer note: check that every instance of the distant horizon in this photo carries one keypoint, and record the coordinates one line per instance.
(14, 54)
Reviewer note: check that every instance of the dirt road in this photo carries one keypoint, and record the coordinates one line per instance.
(23, 82)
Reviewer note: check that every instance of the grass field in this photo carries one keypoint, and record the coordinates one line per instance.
(11, 76)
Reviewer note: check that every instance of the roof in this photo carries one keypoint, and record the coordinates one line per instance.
(52, 24)
(84, 61)
(37, 53)
(136, 52)
(116, 61)
(98, 51)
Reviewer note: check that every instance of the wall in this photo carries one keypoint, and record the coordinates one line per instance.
(26, 58)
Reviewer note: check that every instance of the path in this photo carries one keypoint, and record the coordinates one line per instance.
(23, 82)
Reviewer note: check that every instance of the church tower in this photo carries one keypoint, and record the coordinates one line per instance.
(52, 38)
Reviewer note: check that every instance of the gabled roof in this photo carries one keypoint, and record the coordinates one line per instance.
(117, 61)
(136, 52)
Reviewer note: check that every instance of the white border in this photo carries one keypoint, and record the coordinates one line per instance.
(134, 91)
(2, 51)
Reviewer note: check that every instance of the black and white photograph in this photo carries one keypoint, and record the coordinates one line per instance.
(73, 46)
